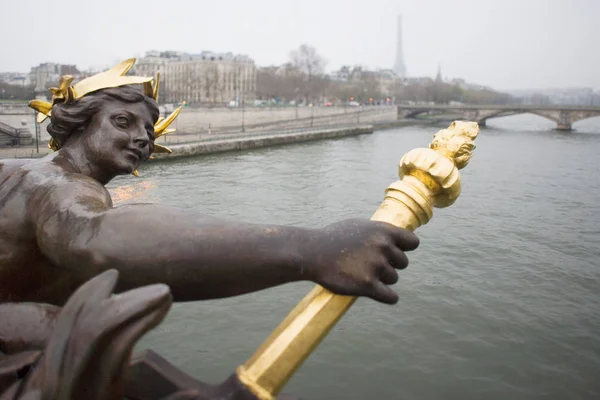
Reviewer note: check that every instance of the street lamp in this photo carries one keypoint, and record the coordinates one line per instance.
(243, 110)
(296, 100)
(36, 129)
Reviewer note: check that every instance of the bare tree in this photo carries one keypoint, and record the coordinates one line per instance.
(367, 86)
(16, 92)
(268, 83)
(311, 65)
(292, 81)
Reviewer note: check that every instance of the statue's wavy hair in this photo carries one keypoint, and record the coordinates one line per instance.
(68, 119)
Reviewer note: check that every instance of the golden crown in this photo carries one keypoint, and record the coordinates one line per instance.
(114, 77)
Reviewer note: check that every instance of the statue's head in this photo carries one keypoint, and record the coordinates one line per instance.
(107, 118)
(114, 126)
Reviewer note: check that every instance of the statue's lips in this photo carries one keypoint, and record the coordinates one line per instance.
(134, 152)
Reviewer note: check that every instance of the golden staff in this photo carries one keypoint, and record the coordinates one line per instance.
(428, 178)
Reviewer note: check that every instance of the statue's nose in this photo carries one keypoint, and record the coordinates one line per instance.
(141, 140)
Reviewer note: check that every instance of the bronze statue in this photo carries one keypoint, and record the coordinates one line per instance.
(59, 230)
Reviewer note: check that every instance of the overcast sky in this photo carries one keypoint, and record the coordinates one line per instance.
(506, 44)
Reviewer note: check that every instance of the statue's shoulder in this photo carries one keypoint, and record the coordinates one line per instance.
(51, 182)
(9, 166)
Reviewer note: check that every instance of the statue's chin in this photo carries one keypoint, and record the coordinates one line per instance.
(127, 166)
(129, 171)
(123, 170)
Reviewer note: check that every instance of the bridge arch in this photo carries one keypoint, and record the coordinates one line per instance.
(587, 123)
(482, 117)
(563, 116)
(482, 121)
(522, 121)
(414, 113)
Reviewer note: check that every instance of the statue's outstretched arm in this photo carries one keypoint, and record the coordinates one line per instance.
(202, 257)
(198, 256)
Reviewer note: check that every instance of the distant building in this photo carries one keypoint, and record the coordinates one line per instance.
(389, 81)
(418, 80)
(383, 80)
(206, 77)
(15, 78)
(583, 96)
(48, 74)
(467, 86)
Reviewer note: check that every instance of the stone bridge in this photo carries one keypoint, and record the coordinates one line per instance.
(564, 116)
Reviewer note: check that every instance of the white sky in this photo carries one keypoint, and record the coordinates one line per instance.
(506, 44)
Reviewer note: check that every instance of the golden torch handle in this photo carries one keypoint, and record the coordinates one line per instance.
(428, 178)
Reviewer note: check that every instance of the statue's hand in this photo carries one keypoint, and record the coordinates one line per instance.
(359, 258)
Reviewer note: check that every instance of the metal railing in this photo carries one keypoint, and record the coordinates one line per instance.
(7, 129)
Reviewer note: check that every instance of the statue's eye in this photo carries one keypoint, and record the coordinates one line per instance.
(121, 120)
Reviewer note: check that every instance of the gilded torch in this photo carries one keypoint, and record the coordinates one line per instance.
(429, 177)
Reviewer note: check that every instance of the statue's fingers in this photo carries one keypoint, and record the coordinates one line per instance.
(383, 293)
(404, 239)
(396, 257)
(388, 275)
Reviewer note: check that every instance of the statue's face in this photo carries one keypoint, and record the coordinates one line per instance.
(118, 137)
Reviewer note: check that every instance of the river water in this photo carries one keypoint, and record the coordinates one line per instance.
(500, 301)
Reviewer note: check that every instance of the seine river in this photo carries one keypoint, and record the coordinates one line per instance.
(500, 301)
